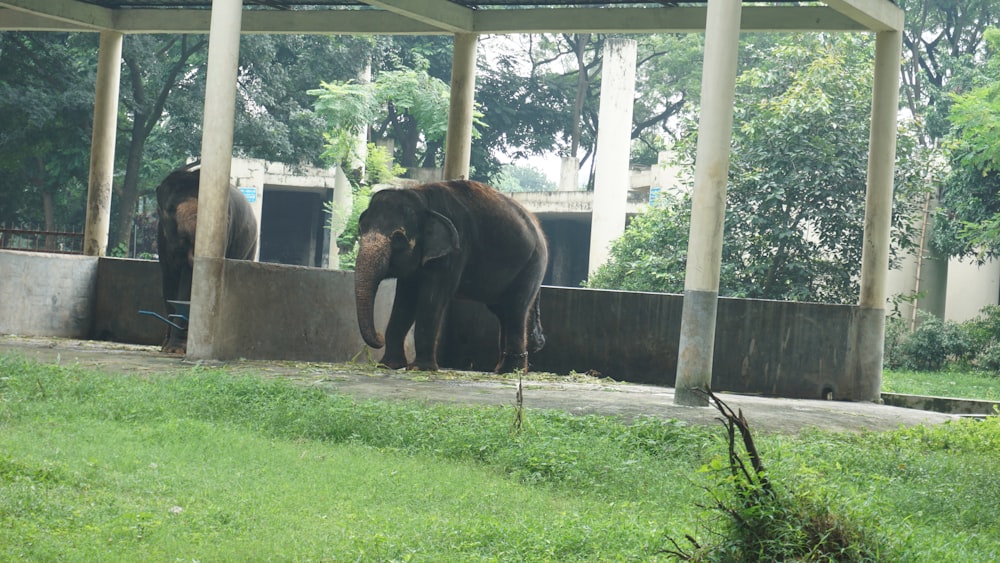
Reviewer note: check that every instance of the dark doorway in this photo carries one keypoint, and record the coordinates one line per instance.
(292, 227)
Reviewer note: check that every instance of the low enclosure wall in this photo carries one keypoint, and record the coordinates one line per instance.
(774, 348)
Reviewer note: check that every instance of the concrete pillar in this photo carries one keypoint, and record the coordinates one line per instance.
(343, 203)
(614, 139)
(102, 145)
(569, 174)
(708, 204)
(881, 167)
(878, 214)
(458, 142)
(206, 322)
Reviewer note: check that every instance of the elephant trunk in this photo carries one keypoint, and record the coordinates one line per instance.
(370, 269)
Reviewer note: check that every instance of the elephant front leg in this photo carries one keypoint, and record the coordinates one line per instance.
(427, 330)
(176, 287)
(400, 321)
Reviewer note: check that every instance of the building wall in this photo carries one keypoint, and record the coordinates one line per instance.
(971, 287)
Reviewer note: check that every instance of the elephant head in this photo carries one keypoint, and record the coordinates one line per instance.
(398, 234)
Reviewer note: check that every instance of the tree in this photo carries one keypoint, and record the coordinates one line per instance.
(408, 106)
(943, 40)
(46, 109)
(651, 255)
(971, 194)
(541, 94)
(164, 101)
(153, 67)
(795, 206)
(523, 179)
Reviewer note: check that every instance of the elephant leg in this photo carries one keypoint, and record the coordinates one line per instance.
(431, 307)
(173, 274)
(404, 308)
(176, 338)
(513, 331)
(513, 312)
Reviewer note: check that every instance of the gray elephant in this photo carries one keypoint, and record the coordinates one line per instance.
(458, 239)
(177, 212)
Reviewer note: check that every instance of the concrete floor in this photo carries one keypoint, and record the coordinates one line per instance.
(577, 395)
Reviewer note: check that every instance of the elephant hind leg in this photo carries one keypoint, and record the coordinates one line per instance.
(512, 342)
(536, 338)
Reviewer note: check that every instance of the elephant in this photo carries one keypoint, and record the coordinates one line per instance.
(177, 213)
(456, 239)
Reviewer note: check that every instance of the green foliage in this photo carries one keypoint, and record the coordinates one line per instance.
(935, 344)
(759, 520)
(348, 108)
(969, 221)
(652, 253)
(378, 169)
(408, 105)
(46, 109)
(795, 207)
(929, 347)
(800, 523)
(515, 178)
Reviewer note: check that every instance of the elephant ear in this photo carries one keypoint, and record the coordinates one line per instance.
(440, 237)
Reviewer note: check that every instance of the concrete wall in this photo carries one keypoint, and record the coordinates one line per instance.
(776, 348)
(46, 294)
(294, 313)
(124, 287)
(308, 314)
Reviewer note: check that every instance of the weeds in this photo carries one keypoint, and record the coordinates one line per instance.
(762, 522)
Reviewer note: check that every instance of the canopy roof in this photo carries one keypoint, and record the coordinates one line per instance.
(421, 17)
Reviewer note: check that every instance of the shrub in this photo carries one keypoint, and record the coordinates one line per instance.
(896, 330)
(933, 344)
(984, 338)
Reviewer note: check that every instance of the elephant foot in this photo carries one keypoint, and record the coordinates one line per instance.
(392, 363)
(509, 363)
(423, 366)
(174, 349)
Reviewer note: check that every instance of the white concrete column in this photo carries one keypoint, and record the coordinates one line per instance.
(708, 203)
(569, 174)
(881, 167)
(343, 203)
(102, 145)
(458, 142)
(870, 326)
(614, 140)
(206, 324)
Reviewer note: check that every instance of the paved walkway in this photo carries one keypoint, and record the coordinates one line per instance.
(587, 396)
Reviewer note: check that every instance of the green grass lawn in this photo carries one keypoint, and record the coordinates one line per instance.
(965, 385)
(212, 466)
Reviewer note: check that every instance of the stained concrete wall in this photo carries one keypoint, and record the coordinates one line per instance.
(294, 313)
(46, 294)
(124, 287)
(774, 348)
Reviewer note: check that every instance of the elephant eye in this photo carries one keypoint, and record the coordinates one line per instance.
(399, 237)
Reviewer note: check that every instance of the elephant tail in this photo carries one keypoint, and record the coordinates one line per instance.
(536, 338)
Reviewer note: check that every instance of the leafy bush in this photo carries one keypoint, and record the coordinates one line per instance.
(984, 337)
(896, 330)
(932, 345)
(652, 254)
